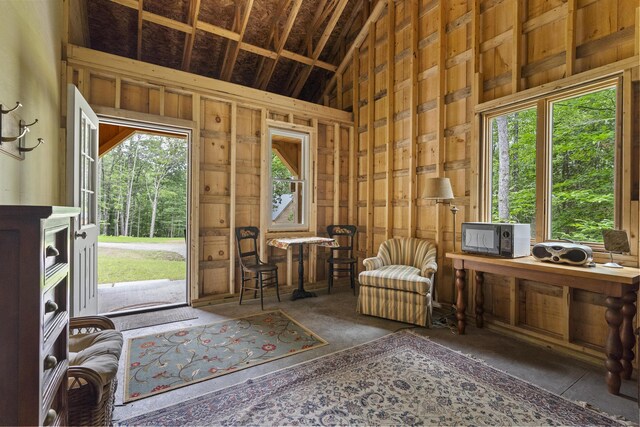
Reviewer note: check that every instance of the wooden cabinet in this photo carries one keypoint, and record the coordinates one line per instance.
(34, 318)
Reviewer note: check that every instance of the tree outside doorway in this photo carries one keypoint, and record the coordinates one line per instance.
(143, 212)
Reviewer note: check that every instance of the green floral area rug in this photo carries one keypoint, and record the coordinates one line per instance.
(168, 360)
(399, 379)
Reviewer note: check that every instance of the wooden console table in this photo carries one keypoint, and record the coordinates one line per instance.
(620, 287)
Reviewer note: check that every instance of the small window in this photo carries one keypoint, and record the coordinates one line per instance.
(289, 178)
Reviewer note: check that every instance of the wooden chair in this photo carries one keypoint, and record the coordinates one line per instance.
(341, 259)
(251, 267)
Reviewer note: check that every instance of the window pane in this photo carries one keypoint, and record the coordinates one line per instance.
(513, 167)
(583, 161)
(288, 179)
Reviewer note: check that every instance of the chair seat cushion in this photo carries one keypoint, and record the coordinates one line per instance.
(397, 277)
(99, 351)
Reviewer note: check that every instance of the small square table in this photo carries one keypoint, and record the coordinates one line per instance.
(285, 242)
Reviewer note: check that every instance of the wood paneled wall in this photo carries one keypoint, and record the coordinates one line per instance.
(417, 86)
(228, 124)
(414, 80)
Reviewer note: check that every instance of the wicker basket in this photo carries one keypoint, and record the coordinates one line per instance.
(90, 400)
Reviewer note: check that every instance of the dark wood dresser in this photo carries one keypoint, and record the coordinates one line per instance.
(34, 320)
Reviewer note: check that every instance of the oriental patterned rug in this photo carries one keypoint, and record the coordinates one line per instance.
(400, 379)
(164, 361)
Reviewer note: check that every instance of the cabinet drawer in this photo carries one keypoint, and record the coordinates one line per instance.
(54, 411)
(55, 247)
(54, 304)
(54, 363)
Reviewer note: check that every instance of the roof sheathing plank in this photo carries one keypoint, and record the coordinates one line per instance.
(122, 22)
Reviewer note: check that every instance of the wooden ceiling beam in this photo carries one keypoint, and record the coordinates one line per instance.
(223, 32)
(273, 37)
(227, 43)
(362, 35)
(321, 8)
(230, 59)
(265, 77)
(345, 31)
(194, 11)
(333, 21)
(140, 19)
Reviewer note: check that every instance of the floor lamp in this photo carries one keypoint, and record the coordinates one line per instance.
(439, 189)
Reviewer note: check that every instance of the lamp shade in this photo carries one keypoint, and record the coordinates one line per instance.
(437, 188)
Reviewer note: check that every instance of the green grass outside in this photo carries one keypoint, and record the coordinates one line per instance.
(123, 265)
(128, 239)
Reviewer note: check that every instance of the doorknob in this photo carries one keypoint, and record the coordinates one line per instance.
(83, 235)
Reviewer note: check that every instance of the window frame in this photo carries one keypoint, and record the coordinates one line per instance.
(543, 104)
(305, 139)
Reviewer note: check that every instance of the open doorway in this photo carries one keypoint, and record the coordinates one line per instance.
(143, 196)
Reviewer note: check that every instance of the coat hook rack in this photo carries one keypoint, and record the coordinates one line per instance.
(13, 131)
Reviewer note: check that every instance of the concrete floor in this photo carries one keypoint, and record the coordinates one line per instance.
(113, 297)
(333, 317)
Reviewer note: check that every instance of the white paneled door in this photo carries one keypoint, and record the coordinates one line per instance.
(82, 180)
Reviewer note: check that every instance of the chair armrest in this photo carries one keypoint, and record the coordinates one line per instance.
(373, 263)
(89, 324)
(429, 267)
(80, 377)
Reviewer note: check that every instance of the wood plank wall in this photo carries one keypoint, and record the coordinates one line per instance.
(229, 125)
(446, 58)
(413, 84)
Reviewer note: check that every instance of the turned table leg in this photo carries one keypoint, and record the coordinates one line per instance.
(460, 304)
(613, 346)
(479, 299)
(627, 336)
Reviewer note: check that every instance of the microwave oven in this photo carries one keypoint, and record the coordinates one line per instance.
(505, 240)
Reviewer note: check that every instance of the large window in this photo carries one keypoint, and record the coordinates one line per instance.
(551, 163)
(289, 176)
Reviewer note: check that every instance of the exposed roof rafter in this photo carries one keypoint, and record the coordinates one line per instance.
(194, 11)
(232, 52)
(263, 80)
(319, 47)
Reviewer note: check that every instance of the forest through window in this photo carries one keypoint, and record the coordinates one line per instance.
(577, 176)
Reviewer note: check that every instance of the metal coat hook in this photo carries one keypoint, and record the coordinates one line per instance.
(3, 111)
(26, 150)
(13, 138)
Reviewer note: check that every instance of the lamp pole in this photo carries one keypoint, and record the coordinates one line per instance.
(454, 211)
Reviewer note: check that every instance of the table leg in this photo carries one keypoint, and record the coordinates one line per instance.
(627, 336)
(460, 304)
(479, 299)
(613, 346)
(300, 292)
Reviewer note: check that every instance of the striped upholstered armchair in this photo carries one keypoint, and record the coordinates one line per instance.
(398, 283)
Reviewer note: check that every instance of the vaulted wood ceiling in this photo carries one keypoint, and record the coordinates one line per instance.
(289, 47)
